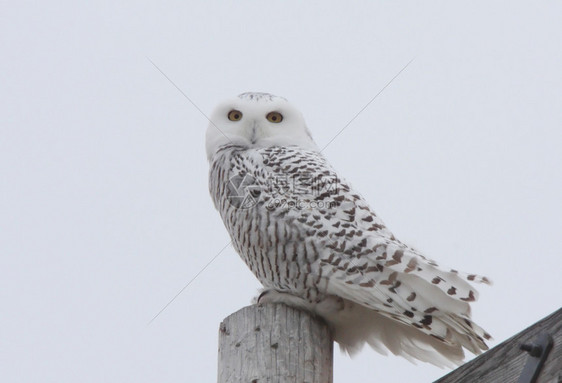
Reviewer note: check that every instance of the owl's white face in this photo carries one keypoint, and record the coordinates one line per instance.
(257, 120)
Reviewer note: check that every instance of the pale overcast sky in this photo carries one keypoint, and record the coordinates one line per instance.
(104, 207)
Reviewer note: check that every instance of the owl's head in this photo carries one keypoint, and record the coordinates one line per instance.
(257, 120)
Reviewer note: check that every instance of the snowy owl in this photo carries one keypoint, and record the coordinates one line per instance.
(315, 244)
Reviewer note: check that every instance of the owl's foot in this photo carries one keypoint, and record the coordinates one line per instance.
(329, 304)
(274, 296)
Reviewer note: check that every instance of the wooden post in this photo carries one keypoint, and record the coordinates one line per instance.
(274, 343)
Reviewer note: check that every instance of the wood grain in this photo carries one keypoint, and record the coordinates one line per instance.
(274, 343)
(505, 362)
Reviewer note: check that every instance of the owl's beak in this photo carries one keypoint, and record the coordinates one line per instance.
(253, 133)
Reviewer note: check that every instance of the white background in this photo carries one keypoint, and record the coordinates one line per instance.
(104, 208)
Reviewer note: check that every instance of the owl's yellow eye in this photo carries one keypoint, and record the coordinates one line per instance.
(235, 115)
(274, 117)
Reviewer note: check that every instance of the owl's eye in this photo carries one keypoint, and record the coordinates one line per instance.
(235, 115)
(274, 117)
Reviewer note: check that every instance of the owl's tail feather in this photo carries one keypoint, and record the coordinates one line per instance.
(356, 325)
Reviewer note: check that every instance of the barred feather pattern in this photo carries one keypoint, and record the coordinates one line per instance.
(322, 248)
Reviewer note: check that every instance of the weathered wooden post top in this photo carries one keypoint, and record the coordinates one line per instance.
(274, 343)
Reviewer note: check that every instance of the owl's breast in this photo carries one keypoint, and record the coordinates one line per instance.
(262, 201)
